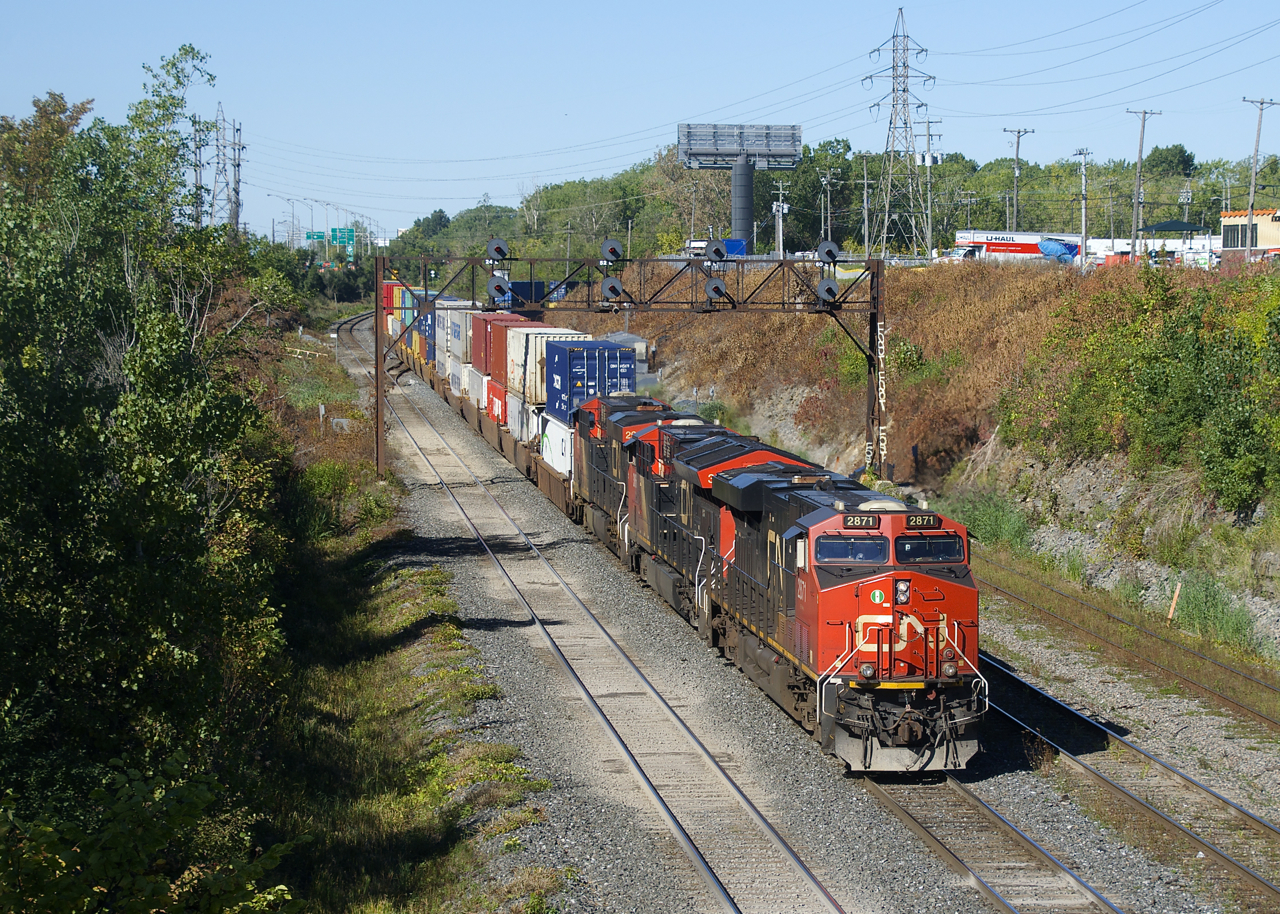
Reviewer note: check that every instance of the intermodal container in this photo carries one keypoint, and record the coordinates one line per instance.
(441, 333)
(498, 347)
(477, 386)
(482, 336)
(581, 370)
(556, 444)
(453, 370)
(527, 359)
(460, 334)
(495, 401)
(522, 418)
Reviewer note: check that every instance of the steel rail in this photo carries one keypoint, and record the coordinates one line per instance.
(752, 811)
(1110, 786)
(1089, 894)
(673, 824)
(1194, 684)
(1254, 821)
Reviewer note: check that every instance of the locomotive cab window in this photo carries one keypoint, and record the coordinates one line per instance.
(928, 548)
(845, 550)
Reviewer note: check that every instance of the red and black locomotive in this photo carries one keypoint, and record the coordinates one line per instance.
(854, 611)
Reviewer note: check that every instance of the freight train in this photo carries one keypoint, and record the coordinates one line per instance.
(854, 611)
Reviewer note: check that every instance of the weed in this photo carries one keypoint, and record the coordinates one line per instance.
(991, 520)
(1075, 566)
(1206, 608)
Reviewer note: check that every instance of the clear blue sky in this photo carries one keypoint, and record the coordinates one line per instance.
(396, 109)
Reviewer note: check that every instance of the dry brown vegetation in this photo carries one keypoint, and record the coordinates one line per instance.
(968, 330)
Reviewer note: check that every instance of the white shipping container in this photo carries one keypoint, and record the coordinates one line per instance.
(476, 383)
(440, 327)
(527, 359)
(522, 419)
(460, 335)
(456, 379)
(556, 445)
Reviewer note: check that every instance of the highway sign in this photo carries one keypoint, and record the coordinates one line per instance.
(315, 236)
(342, 236)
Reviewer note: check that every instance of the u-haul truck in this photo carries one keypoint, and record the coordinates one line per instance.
(1016, 246)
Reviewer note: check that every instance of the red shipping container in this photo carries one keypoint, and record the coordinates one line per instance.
(481, 331)
(495, 401)
(390, 298)
(498, 349)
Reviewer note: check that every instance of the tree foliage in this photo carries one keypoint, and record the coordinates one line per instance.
(137, 535)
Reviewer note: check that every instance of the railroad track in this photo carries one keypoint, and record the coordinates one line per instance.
(1166, 805)
(745, 863)
(1234, 688)
(988, 851)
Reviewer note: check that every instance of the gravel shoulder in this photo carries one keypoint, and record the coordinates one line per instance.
(600, 828)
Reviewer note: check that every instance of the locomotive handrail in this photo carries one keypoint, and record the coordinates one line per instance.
(986, 687)
(840, 662)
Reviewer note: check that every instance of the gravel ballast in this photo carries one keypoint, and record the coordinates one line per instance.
(598, 824)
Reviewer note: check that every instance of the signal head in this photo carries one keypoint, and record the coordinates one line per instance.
(716, 250)
(498, 249)
(828, 252)
(715, 288)
(610, 288)
(828, 289)
(499, 287)
(611, 250)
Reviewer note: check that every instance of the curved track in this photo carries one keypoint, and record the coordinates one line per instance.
(746, 865)
(1174, 806)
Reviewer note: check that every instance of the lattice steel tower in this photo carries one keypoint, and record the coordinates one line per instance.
(899, 214)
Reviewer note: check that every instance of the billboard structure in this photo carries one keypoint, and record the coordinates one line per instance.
(742, 148)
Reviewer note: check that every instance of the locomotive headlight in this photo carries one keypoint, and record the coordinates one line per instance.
(867, 671)
(948, 654)
(949, 671)
(902, 592)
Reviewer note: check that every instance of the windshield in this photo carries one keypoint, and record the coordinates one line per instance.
(937, 547)
(873, 550)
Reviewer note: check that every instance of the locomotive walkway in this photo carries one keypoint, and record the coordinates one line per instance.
(746, 865)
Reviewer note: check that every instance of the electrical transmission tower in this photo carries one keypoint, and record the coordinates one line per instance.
(899, 202)
(224, 205)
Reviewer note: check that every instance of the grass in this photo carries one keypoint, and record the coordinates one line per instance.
(991, 519)
(370, 761)
(402, 807)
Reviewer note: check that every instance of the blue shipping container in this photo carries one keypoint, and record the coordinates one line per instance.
(578, 371)
(425, 325)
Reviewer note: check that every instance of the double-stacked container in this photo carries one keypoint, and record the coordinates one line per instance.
(581, 370)
(556, 444)
(527, 360)
(482, 333)
(495, 401)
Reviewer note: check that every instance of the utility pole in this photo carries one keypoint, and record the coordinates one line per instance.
(1137, 185)
(779, 210)
(1018, 133)
(1084, 207)
(693, 214)
(380, 265)
(568, 227)
(1263, 104)
(197, 138)
(830, 178)
(928, 182)
(866, 212)
(968, 196)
